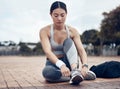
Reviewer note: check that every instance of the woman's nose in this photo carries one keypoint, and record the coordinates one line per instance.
(59, 17)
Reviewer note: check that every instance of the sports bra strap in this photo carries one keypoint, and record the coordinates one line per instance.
(68, 32)
(52, 31)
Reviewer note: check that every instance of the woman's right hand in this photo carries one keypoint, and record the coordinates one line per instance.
(65, 71)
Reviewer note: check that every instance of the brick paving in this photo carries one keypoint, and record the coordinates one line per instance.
(17, 72)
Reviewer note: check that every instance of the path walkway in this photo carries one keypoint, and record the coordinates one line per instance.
(18, 72)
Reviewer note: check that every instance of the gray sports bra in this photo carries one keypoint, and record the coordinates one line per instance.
(56, 48)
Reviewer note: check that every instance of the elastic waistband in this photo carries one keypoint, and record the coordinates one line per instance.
(58, 52)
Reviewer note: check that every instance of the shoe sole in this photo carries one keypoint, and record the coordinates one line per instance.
(90, 76)
(76, 80)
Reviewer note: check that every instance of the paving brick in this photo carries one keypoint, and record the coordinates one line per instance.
(18, 72)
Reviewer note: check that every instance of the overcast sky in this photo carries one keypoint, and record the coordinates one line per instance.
(21, 20)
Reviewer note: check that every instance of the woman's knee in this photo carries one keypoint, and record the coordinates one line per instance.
(51, 73)
(70, 51)
(68, 43)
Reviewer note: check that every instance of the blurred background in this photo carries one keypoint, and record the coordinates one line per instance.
(98, 23)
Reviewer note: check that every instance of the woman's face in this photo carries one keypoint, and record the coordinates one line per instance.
(59, 16)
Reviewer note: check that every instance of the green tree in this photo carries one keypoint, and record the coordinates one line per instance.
(24, 49)
(91, 36)
(38, 49)
(110, 27)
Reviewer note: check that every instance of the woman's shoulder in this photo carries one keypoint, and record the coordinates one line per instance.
(45, 29)
(71, 29)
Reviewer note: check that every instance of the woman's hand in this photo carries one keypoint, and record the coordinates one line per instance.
(65, 71)
(84, 71)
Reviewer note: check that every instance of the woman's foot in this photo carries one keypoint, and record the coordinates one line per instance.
(90, 76)
(76, 77)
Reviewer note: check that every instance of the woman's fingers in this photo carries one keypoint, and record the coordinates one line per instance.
(65, 71)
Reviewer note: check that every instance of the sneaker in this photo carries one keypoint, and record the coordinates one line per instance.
(90, 76)
(76, 77)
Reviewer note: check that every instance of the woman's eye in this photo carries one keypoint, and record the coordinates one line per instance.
(56, 15)
(62, 15)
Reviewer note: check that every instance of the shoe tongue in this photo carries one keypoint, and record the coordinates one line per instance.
(75, 72)
(75, 69)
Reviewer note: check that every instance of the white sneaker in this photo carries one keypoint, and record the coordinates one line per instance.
(76, 77)
(90, 76)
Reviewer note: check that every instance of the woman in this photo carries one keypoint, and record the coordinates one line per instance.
(62, 44)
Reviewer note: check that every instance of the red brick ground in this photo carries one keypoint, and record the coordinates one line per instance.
(25, 73)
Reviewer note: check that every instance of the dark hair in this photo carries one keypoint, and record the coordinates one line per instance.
(58, 4)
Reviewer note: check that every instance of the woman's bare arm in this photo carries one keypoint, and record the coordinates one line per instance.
(46, 45)
(79, 46)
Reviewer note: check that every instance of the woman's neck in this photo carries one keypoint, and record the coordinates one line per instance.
(59, 27)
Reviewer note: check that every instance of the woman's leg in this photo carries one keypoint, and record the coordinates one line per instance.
(53, 74)
(71, 53)
(72, 56)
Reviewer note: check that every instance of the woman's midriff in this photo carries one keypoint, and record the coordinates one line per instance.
(59, 56)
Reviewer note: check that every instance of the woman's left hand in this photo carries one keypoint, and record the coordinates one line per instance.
(84, 71)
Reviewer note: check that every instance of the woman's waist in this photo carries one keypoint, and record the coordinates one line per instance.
(60, 55)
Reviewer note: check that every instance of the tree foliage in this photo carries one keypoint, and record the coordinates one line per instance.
(24, 49)
(110, 27)
(91, 36)
(38, 48)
